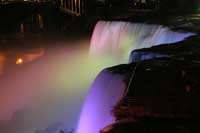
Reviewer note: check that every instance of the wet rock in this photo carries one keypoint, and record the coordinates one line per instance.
(187, 50)
(137, 56)
(161, 88)
(151, 125)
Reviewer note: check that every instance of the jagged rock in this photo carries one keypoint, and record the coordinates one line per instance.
(138, 55)
(151, 125)
(187, 50)
(159, 88)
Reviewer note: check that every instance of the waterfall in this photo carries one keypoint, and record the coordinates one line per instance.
(106, 90)
(116, 40)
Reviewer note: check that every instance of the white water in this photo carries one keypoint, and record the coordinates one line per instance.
(106, 90)
(116, 40)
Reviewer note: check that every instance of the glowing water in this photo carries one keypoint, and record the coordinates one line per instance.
(47, 91)
(116, 40)
(106, 90)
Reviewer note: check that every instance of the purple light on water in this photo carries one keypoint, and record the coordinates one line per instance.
(116, 40)
(106, 90)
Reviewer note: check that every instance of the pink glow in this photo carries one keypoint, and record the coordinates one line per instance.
(116, 40)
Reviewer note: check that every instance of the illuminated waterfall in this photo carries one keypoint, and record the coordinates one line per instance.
(106, 90)
(116, 40)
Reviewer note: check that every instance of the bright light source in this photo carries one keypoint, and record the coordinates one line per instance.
(19, 61)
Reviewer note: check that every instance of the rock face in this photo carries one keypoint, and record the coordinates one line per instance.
(149, 125)
(161, 88)
(187, 50)
(163, 85)
(137, 56)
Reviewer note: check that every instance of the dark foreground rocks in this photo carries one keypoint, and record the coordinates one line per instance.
(162, 90)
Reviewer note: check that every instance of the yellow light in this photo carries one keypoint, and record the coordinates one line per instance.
(19, 61)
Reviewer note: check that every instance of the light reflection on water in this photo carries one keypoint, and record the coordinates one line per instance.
(31, 55)
(33, 24)
(51, 84)
(17, 57)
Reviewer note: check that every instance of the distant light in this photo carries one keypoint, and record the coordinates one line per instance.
(19, 61)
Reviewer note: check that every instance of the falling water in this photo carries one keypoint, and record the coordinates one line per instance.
(116, 40)
(106, 90)
(52, 82)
